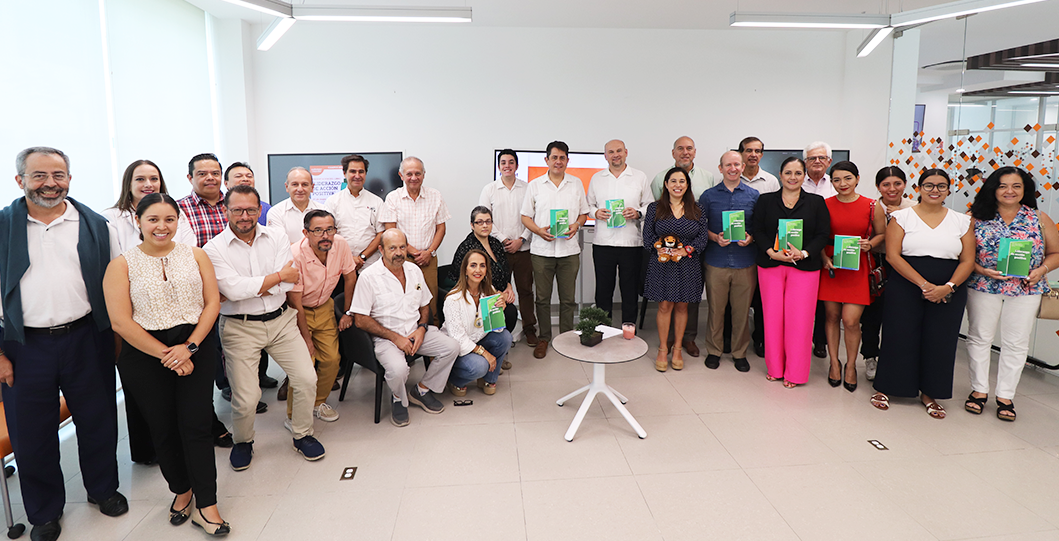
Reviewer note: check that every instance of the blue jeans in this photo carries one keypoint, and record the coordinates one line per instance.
(472, 366)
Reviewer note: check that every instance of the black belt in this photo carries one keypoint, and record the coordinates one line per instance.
(260, 317)
(60, 329)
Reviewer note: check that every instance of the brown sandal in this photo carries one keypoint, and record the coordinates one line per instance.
(880, 401)
(661, 364)
(935, 410)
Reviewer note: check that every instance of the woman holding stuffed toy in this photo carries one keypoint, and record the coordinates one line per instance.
(674, 228)
(788, 268)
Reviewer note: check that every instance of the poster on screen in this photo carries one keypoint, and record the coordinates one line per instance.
(327, 180)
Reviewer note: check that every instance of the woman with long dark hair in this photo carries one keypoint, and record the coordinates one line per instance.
(482, 353)
(141, 177)
(931, 248)
(678, 280)
(1005, 208)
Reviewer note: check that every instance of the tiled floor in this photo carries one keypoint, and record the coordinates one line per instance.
(728, 456)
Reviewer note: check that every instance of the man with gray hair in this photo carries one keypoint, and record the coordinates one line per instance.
(57, 337)
(817, 156)
(420, 212)
(288, 214)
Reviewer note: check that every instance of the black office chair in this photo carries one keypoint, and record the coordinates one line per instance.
(357, 347)
(445, 284)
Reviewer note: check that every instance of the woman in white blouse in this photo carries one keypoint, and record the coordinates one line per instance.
(932, 250)
(141, 177)
(481, 353)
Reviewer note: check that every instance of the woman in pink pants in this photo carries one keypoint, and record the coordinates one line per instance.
(788, 277)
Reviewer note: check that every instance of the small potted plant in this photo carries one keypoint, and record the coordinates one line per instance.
(589, 319)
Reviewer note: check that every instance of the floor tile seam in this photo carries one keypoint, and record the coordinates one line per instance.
(1038, 402)
(877, 489)
(141, 521)
(770, 502)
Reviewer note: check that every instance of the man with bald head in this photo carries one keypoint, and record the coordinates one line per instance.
(392, 303)
(617, 248)
(728, 261)
(700, 180)
(420, 212)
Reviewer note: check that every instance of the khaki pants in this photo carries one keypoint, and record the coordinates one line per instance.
(324, 332)
(563, 270)
(280, 338)
(522, 268)
(724, 285)
(430, 275)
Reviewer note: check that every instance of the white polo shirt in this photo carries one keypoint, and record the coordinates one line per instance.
(379, 295)
(824, 189)
(241, 269)
(763, 181)
(506, 206)
(287, 217)
(541, 197)
(358, 219)
(631, 186)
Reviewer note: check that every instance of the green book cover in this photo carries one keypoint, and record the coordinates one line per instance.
(492, 315)
(847, 252)
(789, 231)
(560, 223)
(616, 206)
(1014, 257)
(734, 225)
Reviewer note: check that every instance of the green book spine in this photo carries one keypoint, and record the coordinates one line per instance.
(616, 207)
(560, 222)
(492, 315)
(789, 232)
(1014, 257)
(734, 225)
(847, 252)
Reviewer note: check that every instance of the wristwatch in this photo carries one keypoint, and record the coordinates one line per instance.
(952, 286)
(424, 325)
(361, 256)
(434, 253)
(192, 347)
(350, 313)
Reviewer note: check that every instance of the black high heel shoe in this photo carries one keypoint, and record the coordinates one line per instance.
(835, 382)
(849, 386)
(211, 528)
(176, 518)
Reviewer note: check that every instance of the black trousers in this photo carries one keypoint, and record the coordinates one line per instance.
(919, 346)
(179, 411)
(140, 446)
(819, 335)
(871, 327)
(617, 265)
(81, 365)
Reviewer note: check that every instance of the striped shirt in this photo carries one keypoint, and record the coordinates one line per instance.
(416, 218)
(207, 220)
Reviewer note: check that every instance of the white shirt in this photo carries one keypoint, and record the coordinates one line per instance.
(763, 181)
(701, 180)
(632, 186)
(287, 217)
(942, 242)
(825, 189)
(506, 206)
(462, 323)
(379, 294)
(129, 235)
(416, 218)
(241, 269)
(53, 290)
(358, 219)
(541, 197)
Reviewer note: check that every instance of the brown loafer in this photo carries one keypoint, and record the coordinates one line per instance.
(281, 394)
(531, 338)
(541, 349)
(336, 385)
(691, 348)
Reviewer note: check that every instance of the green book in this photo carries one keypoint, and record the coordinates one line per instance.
(1014, 257)
(734, 225)
(789, 232)
(492, 315)
(847, 252)
(560, 224)
(616, 206)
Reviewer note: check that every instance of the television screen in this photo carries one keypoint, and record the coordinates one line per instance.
(772, 159)
(326, 170)
(531, 165)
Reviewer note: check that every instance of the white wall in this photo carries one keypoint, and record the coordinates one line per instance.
(450, 95)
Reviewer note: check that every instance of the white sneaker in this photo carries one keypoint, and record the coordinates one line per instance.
(287, 424)
(325, 412)
(871, 364)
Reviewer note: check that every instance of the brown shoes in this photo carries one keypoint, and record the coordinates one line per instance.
(691, 348)
(541, 349)
(281, 394)
(531, 338)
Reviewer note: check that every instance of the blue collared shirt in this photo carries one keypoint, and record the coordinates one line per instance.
(714, 202)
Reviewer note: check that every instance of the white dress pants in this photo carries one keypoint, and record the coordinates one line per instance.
(1016, 317)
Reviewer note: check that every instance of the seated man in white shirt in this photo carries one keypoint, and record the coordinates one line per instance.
(254, 272)
(392, 303)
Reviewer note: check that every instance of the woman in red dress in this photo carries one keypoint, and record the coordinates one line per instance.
(845, 291)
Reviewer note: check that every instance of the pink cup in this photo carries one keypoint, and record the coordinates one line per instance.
(628, 330)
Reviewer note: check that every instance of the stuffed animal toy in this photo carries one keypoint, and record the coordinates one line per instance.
(666, 246)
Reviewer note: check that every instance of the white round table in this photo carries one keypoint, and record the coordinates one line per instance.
(613, 350)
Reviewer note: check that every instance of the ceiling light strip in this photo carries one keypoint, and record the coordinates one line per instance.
(384, 14)
(874, 39)
(952, 10)
(808, 20)
(274, 31)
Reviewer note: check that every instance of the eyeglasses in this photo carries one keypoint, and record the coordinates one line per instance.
(817, 159)
(932, 187)
(248, 212)
(41, 177)
(483, 222)
(321, 232)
